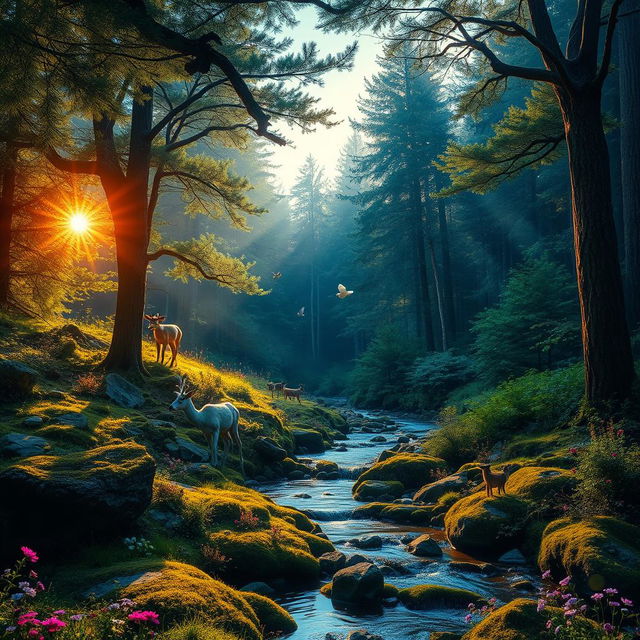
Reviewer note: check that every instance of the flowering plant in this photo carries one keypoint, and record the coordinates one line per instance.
(20, 618)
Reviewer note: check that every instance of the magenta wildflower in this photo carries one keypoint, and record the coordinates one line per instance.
(29, 554)
(468, 618)
(546, 575)
(627, 602)
(597, 596)
(541, 605)
(53, 624)
(144, 616)
(608, 627)
(565, 581)
(610, 591)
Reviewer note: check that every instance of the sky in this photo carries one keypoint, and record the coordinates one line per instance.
(340, 91)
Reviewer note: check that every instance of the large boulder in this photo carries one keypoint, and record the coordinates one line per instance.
(430, 493)
(358, 586)
(99, 492)
(424, 547)
(412, 470)
(538, 483)
(269, 449)
(597, 552)
(185, 449)
(16, 380)
(378, 490)
(308, 439)
(123, 392)
(20, 445)
(520, 620)
(432, 596)
(486, 527)
(74, 418)
(332, 561)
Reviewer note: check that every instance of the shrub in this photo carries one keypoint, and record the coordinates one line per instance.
(88, 383)
(608, 474)
(438, 374)
(545, 398)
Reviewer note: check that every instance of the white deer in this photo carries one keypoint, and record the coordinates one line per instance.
(214, 420)
(165, 334)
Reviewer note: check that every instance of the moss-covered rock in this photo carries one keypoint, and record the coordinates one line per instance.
(197, 630)
(274, 620)
(178, 592)
(101, 491)
(539, 483)
(520, 620)
(432, 596)
(432, 491)
(486, 527)
(412, 470)
(308, 439)
(400, 513)
(370, 490)
(360, 586)
(597, 552)
(327, 466)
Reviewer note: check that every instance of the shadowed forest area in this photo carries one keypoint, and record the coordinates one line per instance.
(319, 319)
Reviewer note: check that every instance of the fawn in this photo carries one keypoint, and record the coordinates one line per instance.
(493, 479)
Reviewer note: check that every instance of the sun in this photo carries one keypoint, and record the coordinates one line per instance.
(79, 223)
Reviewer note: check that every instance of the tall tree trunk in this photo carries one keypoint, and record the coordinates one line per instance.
(7, 207)
(128, 201)
(629, 72)
(423, 279)
(436, 280)
(447, 275)
(605, 338)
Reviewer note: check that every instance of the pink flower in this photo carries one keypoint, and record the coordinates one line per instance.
(548, 625)
(627, 602)
(34, 633)
(613, 603)
(614, 455)
(29, 554)
(28, 618)
(468, 618)
(76, 617)
(32, 574)
(565, 581)
(610, 591)
(53, 624)
(144, 616)
(59, 612)
(620, 433)
(546, 575)
(573, 451)
(597, 596)
(39, 586)
(608, 628)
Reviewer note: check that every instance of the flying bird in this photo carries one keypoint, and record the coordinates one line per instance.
(276, 275)
(300, 313)
(342, 292)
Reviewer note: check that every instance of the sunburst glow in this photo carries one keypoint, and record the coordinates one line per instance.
(79, 222)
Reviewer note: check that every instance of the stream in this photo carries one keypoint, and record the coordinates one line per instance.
(331, 505)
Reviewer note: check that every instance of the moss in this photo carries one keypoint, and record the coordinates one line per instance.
(486, 527)
(273, 618)
(376, 489)
(197, 630)
(326, 589)
(327, 466)
(390, 591)
(530, 446)
(539, 483)
(400, 513)
(431, 596)
(289, 465)
(444, 635)
(596, 553)
(65, 434)
(412, 470)
(519, 620)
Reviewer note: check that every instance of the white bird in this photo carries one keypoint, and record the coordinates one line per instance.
(342, 292)
(300, 313)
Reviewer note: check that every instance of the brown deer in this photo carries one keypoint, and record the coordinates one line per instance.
(290, 393)
(164, 334)
(493, 479)
(275, 386)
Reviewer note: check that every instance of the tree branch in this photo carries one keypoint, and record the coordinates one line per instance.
(165, 251)
(70, 165)
(608, 42)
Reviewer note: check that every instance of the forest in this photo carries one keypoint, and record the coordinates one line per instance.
(319, 319)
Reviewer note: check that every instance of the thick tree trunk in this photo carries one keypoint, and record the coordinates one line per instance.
(423, 276)
(629, 78)
(605, 338)
(128, 201)
(7, 206)
(436, 281)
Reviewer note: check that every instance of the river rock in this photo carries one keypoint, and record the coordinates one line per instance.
(261, 588)
(308, 440)
(484, 568)
(367, 542)
(429, 493)
(425, 547)
(73, 418)
(332, 561)
(356, 558)
(96, 493)
(269, 449)
(512, 557)
(16, 380)
(378, 490)
(296, 475)
(361, 585)
(33, 422)
(363, 634)
(378, 439)
(185, 449)
(303, 496)
(123, 392)
(20, 445)
(402, 439)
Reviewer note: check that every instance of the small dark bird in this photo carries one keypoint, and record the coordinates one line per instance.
(276, 275)
(300, 313)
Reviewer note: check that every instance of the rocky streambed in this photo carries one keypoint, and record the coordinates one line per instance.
(383, 543)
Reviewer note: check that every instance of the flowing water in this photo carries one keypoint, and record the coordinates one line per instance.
(331, 505)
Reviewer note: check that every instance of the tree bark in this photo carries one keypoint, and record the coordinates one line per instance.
(7, 207)
(629, 79)
(608, 362)
(128, 201)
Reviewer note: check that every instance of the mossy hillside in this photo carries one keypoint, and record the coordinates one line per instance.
(398, 513)
(252, 537)
(519, 620)
(432, 596)
(541, 483)
(412, 470)
(597, 552)
(309, 415)
(198, 630)
(486, 527)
